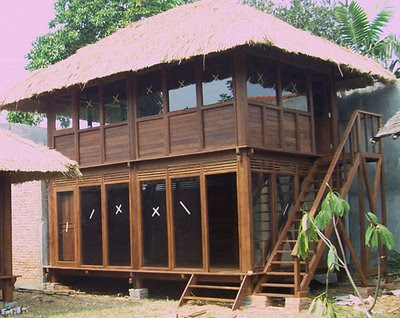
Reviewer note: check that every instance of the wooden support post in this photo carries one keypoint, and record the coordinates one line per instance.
(5, 231)
(240, 84)
(244, 213)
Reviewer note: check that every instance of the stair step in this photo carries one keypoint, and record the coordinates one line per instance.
(214, 287)
(275, 295)
(283, 273)
(277, 285)
(285, 262)
(224, 300)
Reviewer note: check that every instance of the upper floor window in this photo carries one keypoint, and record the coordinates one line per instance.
(89, 108)
(150, 96)
(294, 89)
(181, 87)
(261, 76)
(217, 80)
(63, 111)
(115, 103)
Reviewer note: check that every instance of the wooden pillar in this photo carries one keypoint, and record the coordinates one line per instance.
(244, 213)
(5, 219)
(241, 105)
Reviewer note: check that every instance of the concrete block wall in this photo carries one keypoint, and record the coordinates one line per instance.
(384, 100)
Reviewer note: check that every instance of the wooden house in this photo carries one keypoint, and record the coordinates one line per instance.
(21, 160)
(201, 132)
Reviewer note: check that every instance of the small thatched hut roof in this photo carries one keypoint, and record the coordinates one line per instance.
(391, 128)
(24, 160)
(196, 29)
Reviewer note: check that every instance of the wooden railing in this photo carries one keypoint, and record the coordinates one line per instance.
(354, 142)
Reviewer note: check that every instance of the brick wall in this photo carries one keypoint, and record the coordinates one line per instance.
(27, 234)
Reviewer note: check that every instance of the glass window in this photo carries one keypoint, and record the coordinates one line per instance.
(66, 226)
(63, 111)
(89, 108)
(115, 104)
(90, 203)
(262, 222)
(294, 89)
(154, 224)
(261, 81)
(119, 242)
(187, 222)
(150, 97)
(181, 87)
(217, 80)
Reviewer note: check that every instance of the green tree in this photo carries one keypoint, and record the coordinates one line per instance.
(81, 22)
(317, 17)
(32, 119)
(360, 34)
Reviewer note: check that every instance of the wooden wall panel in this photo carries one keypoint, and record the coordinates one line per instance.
(89, 147)
(66, 145)
(183, 131)
(151, 137)
(219, 127)
(289, 131)
(272, 128)
(117, 143)
(304, 126)
(255, 126)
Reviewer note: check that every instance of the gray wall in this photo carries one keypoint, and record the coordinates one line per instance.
(384, 100)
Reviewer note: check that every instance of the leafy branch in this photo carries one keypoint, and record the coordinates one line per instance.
(333, 208)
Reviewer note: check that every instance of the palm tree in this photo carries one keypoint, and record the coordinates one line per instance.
(366, 37)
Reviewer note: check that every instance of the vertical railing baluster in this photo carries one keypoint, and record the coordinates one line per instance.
(365, 132)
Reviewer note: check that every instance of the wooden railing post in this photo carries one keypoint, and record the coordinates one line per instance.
(296, 276)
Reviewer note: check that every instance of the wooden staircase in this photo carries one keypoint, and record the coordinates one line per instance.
(284, 274)
(199, 288)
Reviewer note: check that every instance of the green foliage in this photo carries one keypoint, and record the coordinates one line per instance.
(333, 204)
(377, 232)
(314, 16)
(80, 22)
(332, 260)
(366, 37)
(32, 119)
(321, 306)
(306, 234)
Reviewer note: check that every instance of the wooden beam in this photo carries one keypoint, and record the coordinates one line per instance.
(353, 253)
(240, 91)
(6, 232)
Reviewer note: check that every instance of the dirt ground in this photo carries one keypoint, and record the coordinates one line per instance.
(80, 304)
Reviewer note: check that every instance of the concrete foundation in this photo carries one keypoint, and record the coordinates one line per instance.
(140, 293)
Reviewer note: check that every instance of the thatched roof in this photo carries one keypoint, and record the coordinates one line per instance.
(391, 128)
(24, 160)
(181, 33)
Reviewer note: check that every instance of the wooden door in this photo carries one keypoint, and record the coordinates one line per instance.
(323, 116)
(66, 226)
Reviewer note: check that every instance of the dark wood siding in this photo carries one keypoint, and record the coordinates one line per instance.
(89, 147)
(117, 143)
(183, 130)
(66, 145)
(151, 137)
(219, 126)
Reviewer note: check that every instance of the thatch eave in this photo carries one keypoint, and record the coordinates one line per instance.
(23, 160)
